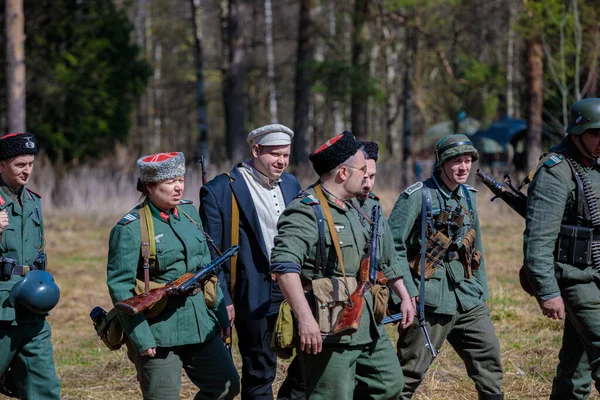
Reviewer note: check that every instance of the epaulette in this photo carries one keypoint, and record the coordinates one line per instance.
(413, 188)
(553, 160)
(129, 217)
(373, 196)
(471, 188)
(32, 192)
(307, 199)
(182, 202)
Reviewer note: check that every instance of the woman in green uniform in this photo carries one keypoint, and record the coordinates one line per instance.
(186, 332)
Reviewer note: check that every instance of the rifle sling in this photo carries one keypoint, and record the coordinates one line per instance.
(332, 231)
(148, 243)
(425, 216)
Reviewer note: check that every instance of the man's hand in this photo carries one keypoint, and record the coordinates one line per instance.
(151, 352)
(310, 335)
(3, 220)
(231, 314)
(225, 333)
(553, 308)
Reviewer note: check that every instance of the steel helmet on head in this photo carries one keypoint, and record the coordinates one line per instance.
(453, 146)
(584, 115)
(36, 292)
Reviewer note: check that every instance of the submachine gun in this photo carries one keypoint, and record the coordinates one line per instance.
(185, 285)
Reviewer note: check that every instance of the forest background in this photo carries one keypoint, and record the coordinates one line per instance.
(103, 82)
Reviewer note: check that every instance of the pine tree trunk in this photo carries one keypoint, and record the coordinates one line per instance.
(15, 65)
(302, 86)
(236, 81)
(202, 130)
(536, 102)
(360, 64)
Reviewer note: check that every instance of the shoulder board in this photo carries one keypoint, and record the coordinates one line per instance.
(307, 199)
(413, 188)
(471, 188)
(182, 202)
(553, 160)
(373, 196)
(129, 217)
(34, 193)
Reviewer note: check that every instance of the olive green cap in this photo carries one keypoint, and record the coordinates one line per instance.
(584, 115)
(453, 146)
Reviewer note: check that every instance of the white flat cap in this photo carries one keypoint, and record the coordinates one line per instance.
(271, 135)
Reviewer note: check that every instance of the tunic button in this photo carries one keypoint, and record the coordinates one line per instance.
(341, 242)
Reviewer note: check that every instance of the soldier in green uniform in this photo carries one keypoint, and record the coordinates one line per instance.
(561, 250)
(185, 334)
(367, 200)
(456, 285)
(25, 344)
(316, 281)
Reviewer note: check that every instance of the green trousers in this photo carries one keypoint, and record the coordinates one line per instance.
(208, 365)
(573, 380)
(472, 336)
(27, 349)
(345, 372)
(582, 305)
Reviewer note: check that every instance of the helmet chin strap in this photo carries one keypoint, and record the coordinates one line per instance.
(589, 154)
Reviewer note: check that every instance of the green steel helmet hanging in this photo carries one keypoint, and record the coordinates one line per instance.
(36, 292)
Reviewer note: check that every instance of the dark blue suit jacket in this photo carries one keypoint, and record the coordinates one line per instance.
(256, 295)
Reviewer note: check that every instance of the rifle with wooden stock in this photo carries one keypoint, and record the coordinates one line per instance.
(349, 320)
(185, 285)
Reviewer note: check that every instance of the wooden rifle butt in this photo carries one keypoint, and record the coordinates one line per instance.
(349, 320)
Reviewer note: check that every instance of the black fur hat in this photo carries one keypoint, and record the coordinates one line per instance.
(371, 150)
(334, 152)
(17, 144)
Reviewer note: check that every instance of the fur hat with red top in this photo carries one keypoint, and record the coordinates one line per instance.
(161, 167)
(334, 152)
(17, 144)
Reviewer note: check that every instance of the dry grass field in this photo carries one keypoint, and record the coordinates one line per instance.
(77, 248)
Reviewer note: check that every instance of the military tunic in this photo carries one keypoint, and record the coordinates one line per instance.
(24, 336)
(364, 359)
(454, 304)
(185, 332)
(552, 190)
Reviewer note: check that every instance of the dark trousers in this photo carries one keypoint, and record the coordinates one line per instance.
(259, 363)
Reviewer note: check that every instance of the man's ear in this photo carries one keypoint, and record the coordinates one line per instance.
(255, 150)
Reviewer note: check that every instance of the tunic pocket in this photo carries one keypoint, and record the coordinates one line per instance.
(7, 311)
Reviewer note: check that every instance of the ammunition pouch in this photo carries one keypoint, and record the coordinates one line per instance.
(9, 267)
(381, 296)
(111, 332)
(574, 245)
(437, 245)
(282, 340)
(331, 296)
(468, 255)
(209, 288)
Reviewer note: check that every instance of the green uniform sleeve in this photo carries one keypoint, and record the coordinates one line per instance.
(402, 223)
(123, 257)
(547, 197)
(390, 264)
(296, 238)
(480, 273)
